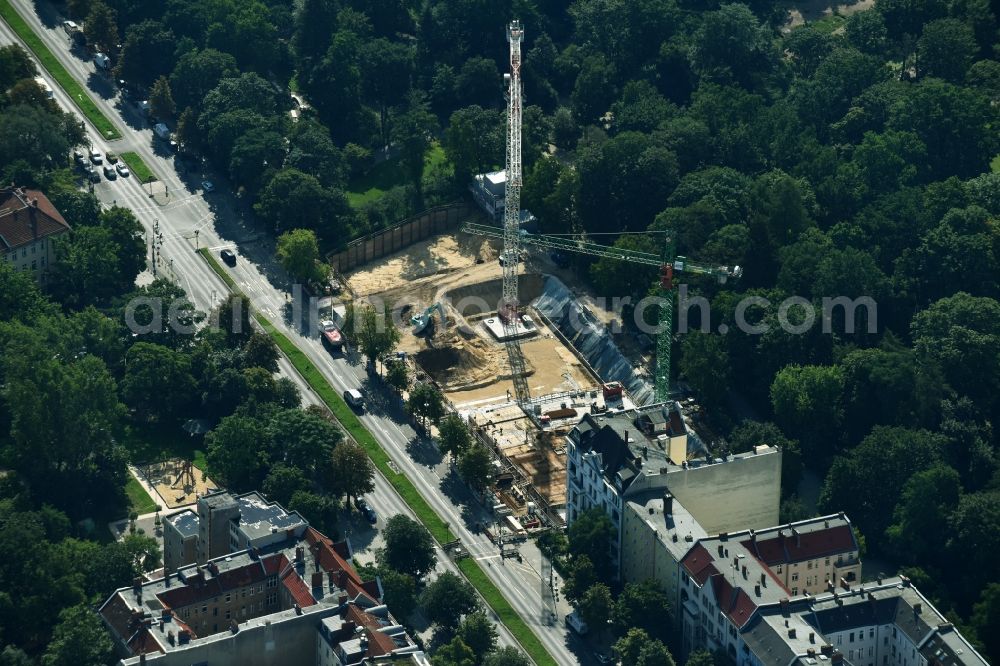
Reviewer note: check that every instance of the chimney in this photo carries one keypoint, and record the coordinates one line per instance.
(917, 608)
(744, 573)
(298, 553)
(142, 659)
(798, 538)
(317, 580)
(721, 551)
(811, 651)
(298, 609)
(763, 579)
(827, 649)
(784, 606)
(668, 504)
(791, 632)
(812, 639)
(756, 590)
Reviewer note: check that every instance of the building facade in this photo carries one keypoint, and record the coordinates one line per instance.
(28, 224)
(648, 451)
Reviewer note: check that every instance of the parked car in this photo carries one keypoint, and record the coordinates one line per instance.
(92, 174)
(208, 186)
(366, 510)
(576, 623)
(96, 157)
(78, 158)
(228, 256)
(111, 158)
(109, 172)
(122, 170)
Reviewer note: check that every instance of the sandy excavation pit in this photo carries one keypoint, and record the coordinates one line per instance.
(462, 357)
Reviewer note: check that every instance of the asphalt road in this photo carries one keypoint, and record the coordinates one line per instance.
(223, 222)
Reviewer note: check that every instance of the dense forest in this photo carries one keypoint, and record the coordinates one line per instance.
(850, 157)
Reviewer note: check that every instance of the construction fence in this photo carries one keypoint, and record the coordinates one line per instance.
(430, 222)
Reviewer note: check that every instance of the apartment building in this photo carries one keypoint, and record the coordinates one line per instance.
(224, 524)
(28, 224)
(365, 636)
(624, 454)
(204, 609)
(886, 622)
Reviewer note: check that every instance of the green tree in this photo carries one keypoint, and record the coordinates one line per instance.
(454, 437)
(161, 99)
(375, 333)
(506, 656)
(975, 527)
(197, 72)
(447, 599)
(255, 156)
(732, 46)
(807, 402)
(946, 49)
(425, 401)
(881, 464)
(147, 53)
(474, 141)
(305, 439)
(986, 618)
(284, 481)
(475, 466)
(705, 364)
(323, 210)
(643, 605)
(748, 434)
(352, 470)
(15, 65)
(927, 500)
(866, 31)
(409, 547)
(594, 90)
(479, 633)
(260, 351)
(595, 606)
(590, 535)
(20, 297)
(78, 640)
(386, 67)
(232, 317)
(100, 27)
(298, 251)
(412, 132)
(158, 383)
(398, 376)
(581, 576)
(237, 453)
(454, 653)
(319, 510)
(399, 592)
(702, 657)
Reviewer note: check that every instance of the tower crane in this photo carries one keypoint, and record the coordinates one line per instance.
(508, 309)
(668, 263)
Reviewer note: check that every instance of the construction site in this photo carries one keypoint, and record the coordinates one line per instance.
(514, 348)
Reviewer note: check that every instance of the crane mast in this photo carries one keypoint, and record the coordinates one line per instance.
(508, 310)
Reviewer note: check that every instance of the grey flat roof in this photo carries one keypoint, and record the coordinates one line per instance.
(679, 523)
(258, 516)
(185, 522)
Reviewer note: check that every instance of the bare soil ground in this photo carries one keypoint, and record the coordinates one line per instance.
(174, 486)
(812, 10)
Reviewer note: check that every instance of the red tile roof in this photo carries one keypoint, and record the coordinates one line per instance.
(26, 216)
(333, 560)
(143, 642)
(192, 593)
(699, 564)
(804, 546)
(297, 588)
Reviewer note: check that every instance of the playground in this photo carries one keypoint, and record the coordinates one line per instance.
(178, 482)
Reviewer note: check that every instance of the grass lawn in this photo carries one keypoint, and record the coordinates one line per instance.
(388, 174)
(138, 167)
(995, 164)
(437, 527)
(76, 92)
(828, 24)
(138, 499)
(158, 441)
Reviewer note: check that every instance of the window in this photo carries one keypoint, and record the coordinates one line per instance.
(779, 568)
(840, 639)
(809, 565)
(272, 581)
(871, 633)
(795, 591)
(828, 561)
(260, 606)
(204, 608)
(272, 598)
(227, 613)
(34, 248)
(871, 651)
(215, 611)
(795, 576)
(228, 597)
(34, 265)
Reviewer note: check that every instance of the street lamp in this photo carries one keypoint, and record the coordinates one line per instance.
(196, 232)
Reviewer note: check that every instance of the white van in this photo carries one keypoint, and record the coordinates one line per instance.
(355, 399)
(46, 88)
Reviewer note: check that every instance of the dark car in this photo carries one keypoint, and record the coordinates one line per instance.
(109, 172)
(92, 174)
(229, 257)
(366, 510)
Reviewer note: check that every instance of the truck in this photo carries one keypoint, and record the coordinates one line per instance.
(161, 131)
(333, 339)
(102, 61)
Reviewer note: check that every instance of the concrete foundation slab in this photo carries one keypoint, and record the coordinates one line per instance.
(525, 328)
